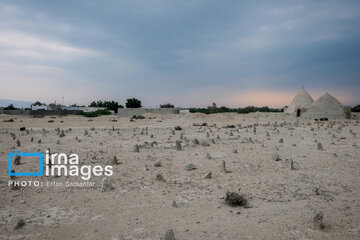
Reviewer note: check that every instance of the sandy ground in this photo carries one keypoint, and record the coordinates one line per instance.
(281, 200)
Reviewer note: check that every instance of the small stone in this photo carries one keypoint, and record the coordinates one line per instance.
(316, 220)
(136, 148)
(160, 178)
(115, 161)
(208, 175)
(144, 167)
(18, 143)
(290, 164)
(276, 157)
(157, 164)
(205, 144)
(317, 190)
(17, 160)
(18, 223)
(106, 185)
(319, 146)
(281, 140)
(190, 166)
(178, 145)
(223, 167)
(169, 235)
(196, 141)
(208, 156)
(235, 151)
(62, 134)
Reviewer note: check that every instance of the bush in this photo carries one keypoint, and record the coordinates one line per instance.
(133, 103)
(10, 107)
(249, 109)
(167, 105)
(95, 113)
(356, 108)
(109, 105)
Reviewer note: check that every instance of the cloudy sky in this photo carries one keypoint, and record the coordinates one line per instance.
(189, 53)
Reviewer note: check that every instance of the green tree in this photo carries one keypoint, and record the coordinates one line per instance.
(166, 105)
(356, 108)
(109, 105)
(37, 103)
(10, 107)
(133, 103)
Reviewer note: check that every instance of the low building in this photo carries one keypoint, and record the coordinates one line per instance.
(39, 107)
(90, 109)
(326, 107)
(301, 101)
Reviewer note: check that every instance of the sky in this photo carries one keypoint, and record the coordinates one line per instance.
(188, 53)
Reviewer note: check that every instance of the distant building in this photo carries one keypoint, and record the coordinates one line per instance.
(90, 109)
(39, 107)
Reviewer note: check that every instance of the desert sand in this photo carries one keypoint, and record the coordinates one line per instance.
(282, 197)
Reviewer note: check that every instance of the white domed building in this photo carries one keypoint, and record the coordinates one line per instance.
(301, 101)
(326, 107)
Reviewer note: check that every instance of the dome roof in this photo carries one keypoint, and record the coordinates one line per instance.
(301, 100)
(326, 106)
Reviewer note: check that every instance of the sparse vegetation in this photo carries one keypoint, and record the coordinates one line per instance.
(249, 109)
(37, 103)
(133, 103)
(10, 107)
(356, 108)
(167, 105)
(95, 113)
(109, 105)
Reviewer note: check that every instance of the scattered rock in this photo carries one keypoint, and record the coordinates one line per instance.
(316, 190)
(62, 134)
(106, 185)
(18, 144)
(319, 146)
(18, 224)
(178, 145)
(316, 220)
(196, 141)
(17, 160)
(157, 164)
(223, 167)
(10, 120)
(160, 177)
(136, 148)
(281, 140)
(208, 175)
(169, 235)
(290, 164)
(190, 166)
(115, 161)
(276, 157)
